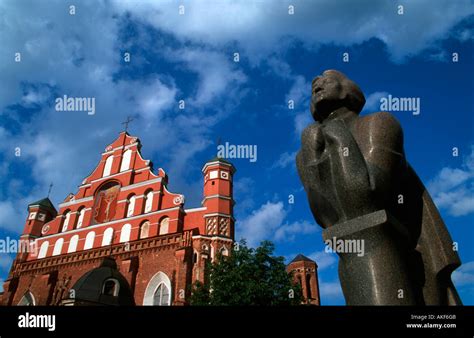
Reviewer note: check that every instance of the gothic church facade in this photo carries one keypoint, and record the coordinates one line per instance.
(126, 232)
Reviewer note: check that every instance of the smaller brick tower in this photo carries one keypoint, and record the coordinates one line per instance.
(217, 235)
(39, 213)
(305, 272)
(218, 198)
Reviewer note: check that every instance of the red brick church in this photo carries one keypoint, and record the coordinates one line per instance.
(124, 239)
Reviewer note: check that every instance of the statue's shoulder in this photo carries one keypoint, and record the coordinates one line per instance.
(382, 126)
(311, 128)
(381, 121)
(311, 132)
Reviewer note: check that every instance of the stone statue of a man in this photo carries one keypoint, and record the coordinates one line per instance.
(361, 188)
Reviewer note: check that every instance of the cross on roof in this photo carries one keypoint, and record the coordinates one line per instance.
(50, 187)
(126, 122)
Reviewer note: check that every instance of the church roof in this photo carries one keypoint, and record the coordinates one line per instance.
(300, 258)
(45, 202)
(89, 288)
(220, 159)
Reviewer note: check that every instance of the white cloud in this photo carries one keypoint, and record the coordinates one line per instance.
(302, 120)
(300, 92)
(448, 179)
(5, 261)
(50, 63)
(36, 96)
(271, 28)
(155, 98)
(323, 259)
(284, 160)
(11, 218)
(289, 231)
(216, 73)
(464, 275)
(267, 223)
(261, 223)
(281, 68)
(453, 188)
(458, 203)
(372, 102)
(64, 48)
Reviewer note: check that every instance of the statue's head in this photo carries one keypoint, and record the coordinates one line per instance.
(333, 90)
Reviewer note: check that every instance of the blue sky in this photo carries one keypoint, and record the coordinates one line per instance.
(190, 57)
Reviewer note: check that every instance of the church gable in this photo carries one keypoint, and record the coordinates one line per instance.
(123, 185)
(120, 156)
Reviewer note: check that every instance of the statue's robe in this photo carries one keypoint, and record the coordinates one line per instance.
(374, 176)
(439, 259)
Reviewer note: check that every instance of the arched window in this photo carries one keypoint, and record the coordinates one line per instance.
(27, 300)
(131, 206)
(148, 201)
(80, 218)
(108, 236)
(43, 249)
(162, 295)
(164, 226)
(73, 244)
(89, 240)
(125, 233)
(308, 287)
(195, 257)
(58, 246)
(144, 229)
(158, 290)
(300, 282)
(67, 217)
(224, 251)
(111, 287)
(126, 157)
(108, 165)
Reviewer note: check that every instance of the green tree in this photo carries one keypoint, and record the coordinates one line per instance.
(247, 277)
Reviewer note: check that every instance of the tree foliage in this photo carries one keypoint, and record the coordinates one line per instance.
(247, 277)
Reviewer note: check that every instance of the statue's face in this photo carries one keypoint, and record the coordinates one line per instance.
(327, 94)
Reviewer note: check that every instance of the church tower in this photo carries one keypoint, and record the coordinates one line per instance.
(217, 205)
(39, 213)
(305, 273)
(218, 197)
